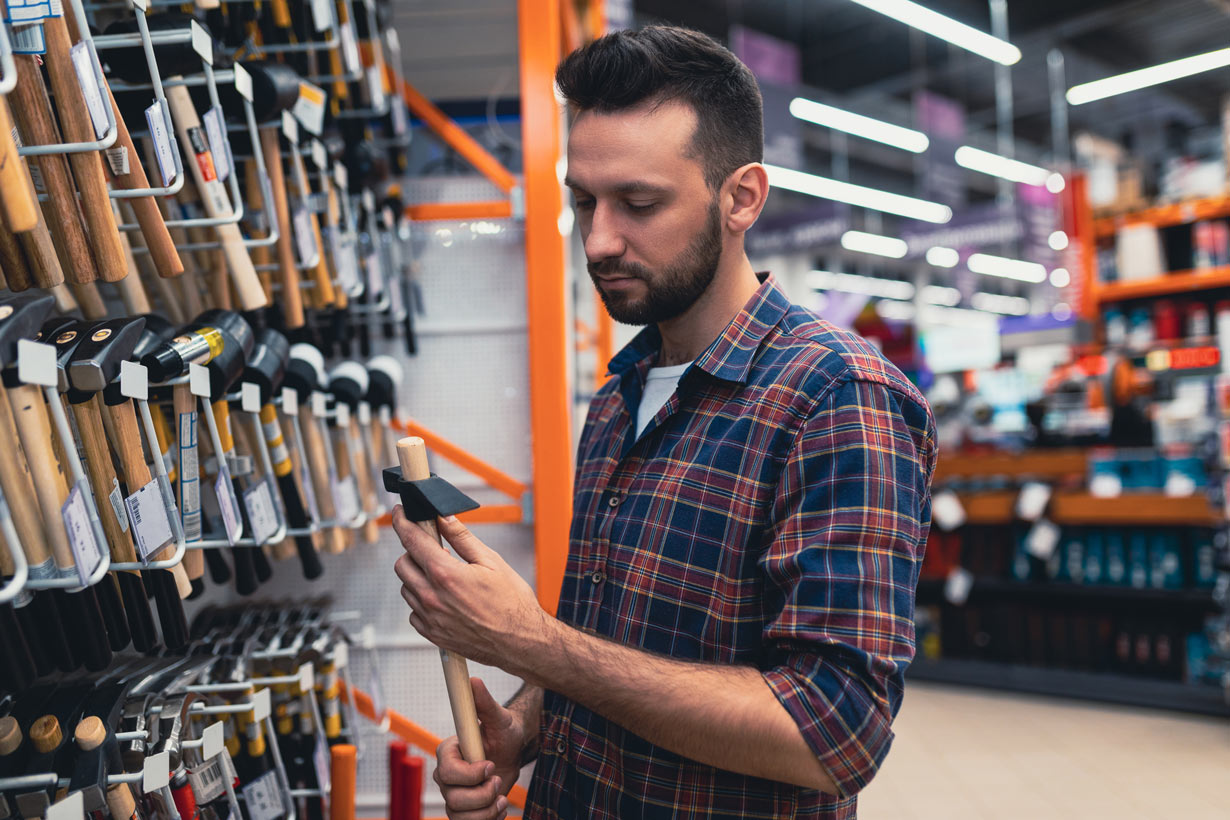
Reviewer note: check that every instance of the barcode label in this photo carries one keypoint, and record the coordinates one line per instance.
(346, 497)
(219, 146)
(29, 40)
(208, 781)
(85, 64)
(117, 505)
(155, 117)
(150, 525)
(305, 241)
(24, 11)
(117, 160)
(189, 478)
(228, 505)
(81, 538)
(262, 512)
(36, 176)
(263, 798)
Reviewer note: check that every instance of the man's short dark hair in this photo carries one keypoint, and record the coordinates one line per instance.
(659, 64)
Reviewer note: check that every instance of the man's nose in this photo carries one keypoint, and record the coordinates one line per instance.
(604, 240)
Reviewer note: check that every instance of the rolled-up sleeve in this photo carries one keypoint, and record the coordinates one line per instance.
(841, 568)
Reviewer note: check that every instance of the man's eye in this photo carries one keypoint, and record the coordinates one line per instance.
(585, 205)
(641, 208)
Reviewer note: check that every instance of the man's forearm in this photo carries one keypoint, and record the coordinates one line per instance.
(723, 716)
(526, 706)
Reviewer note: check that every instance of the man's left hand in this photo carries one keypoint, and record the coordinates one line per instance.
(478, 607)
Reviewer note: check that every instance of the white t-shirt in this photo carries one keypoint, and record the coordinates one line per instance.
(659, 385)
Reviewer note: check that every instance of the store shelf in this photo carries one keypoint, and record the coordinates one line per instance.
(1171, 284)
(1040, 464)
(1082, 509)
(1119, 689)
(931, 591)
(1164, 216)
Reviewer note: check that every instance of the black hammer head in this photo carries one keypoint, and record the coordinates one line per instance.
(96, 361)
(21, 315)
(65, 336)
(267, 364)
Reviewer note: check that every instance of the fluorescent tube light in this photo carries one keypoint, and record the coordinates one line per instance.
(865, 285)
(943, 257)
(858, 195)
(858, 125)
(862, 242)
(1060, 278)
(1145, 77)
(998, 303)
(987, 163)
(940, 295)
(1022, 271)
(946, 28)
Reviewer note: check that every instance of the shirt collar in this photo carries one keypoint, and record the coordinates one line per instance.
(730, 355)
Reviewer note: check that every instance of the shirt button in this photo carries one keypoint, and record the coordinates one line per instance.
(614, 500)
(597, 577)
(561, 747)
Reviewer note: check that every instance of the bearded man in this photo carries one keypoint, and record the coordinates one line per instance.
(751, 502)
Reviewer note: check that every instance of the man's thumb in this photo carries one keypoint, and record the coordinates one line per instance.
(488, 709)
(466, 543)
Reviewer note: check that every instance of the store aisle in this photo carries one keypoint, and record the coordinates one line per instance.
(969, 754)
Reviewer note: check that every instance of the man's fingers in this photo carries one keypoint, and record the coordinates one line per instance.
(488, 813)
(476, 798)
(489, 710)
(455, 771)
(420, 546)
(465, 543)
(409, 572)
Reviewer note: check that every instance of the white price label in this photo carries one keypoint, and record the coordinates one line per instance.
(243, 82)
(341, 176)
(213, 740)
(116, 497)
(350, 48)
(262, 512)
(320, 404)
(947, 511)
(305, 240)
(156, 772)
(1106, 485)
(198, 381)
(375, 275)
(84, 63)
(290, 128)
(365, 413)
(141, 4)
(341, 654)
(375, 85)
(117, 160)
(309, 109)
(319, 155)
(1032, 501)
(398, 111)
(219, 146)
(36, 363)
(320, 761)
(343, 416)
(148, 515)
(202, 43)
(86, 550)
(134, 381)
(260, 705)
(69, 807)
(1042, 539)
(250, 397)
(228, 505)
(29, 39)
(957, 586)
(347, 275)
(307, 678)
(208, 781)
(156, 118)
(346, 497)
(290, 402)
(263, 798)
(322, 14)
(189, 477)
(24, 11)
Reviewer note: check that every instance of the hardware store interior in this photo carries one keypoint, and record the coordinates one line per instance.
(953, 479)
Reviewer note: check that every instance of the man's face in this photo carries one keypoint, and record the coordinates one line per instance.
(651, 226)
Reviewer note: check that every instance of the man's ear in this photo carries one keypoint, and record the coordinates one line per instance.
(749, 190)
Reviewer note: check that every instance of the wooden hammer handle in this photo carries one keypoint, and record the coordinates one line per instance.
(18, 203)
(189, 474)
(102, 478)
(19, 488)
(292, 296)
(412, 453)
(34, 431)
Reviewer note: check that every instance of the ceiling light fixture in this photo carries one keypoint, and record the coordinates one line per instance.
(946, 28)
(871, 198)
(1146, 77)
(940, 295)
(1020, 270)
(943, 257)
(998, 303)
(1060, 278)
(985, 162)
(1058, 241)
(862, 242)
(865, 285)
(858, 125)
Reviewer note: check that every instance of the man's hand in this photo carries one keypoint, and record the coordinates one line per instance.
(476, 791)
(481, 609)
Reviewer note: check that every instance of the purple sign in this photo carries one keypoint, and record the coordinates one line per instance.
(981, 227)
(943, 121)
(798, 230)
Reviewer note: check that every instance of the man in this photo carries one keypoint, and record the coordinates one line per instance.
(751, 502)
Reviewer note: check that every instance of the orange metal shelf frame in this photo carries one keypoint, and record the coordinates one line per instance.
(1164, 216)
(1171, 284)
(1082, 509)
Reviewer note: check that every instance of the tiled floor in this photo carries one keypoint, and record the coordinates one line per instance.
(970, 754)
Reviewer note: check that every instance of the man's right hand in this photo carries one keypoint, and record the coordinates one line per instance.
(476, 791)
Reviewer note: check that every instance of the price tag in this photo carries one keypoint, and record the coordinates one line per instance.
(322, 14)
(156, 772)
(346, 497)
(957, 586)
(134, 381)
(26, 11)
(116, 497)
(343, 416)
(365, 413)
(341, 176)
(305, 241)
(320, 761)
(341, 654)
(344, 259)
(243, 82)
(198, 381)
(117, 160)
(369, 201)
(156, 119)
(320, 404)
(202, 43)
(83, 63)
(386, 416)
(250, 397)
(228, 505)
(307, 679)
(208, 781)
(141, 4)
(375, 282)
(86, 550)
(309, 109)
(69, 807)
(1032, 501)
(319, 155)
(1042, 539)
(219, 146)
(213, 740)
(375, 85)
(260, 705)
(290, 402)
(36, 363)
(947, 511)
(263, 798)
(398, 112)
(350, 48)
(29, 39)
(262, 512)
(290, 128)
(148, 515)
(1106, 485)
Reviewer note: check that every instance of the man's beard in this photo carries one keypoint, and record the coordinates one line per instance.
(673, 290)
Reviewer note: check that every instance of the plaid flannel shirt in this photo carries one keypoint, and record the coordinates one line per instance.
(772, 514)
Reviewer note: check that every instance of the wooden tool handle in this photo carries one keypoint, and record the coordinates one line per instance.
(102, 478)
(18, 204)
(189, 475)
(19, 489)
(38, 125)
(89, 300)
(361, 449)
(323, 294)
(46, 734)
(39, 249)
(131, 288)
(262, 255)
(292, 295)
(314, 445)
(214, 197)
(13, 261)
(412, 453)
(34, 431)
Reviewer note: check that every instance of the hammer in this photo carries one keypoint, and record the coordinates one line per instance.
(93, 371)
(305, 374)
(349, 382)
